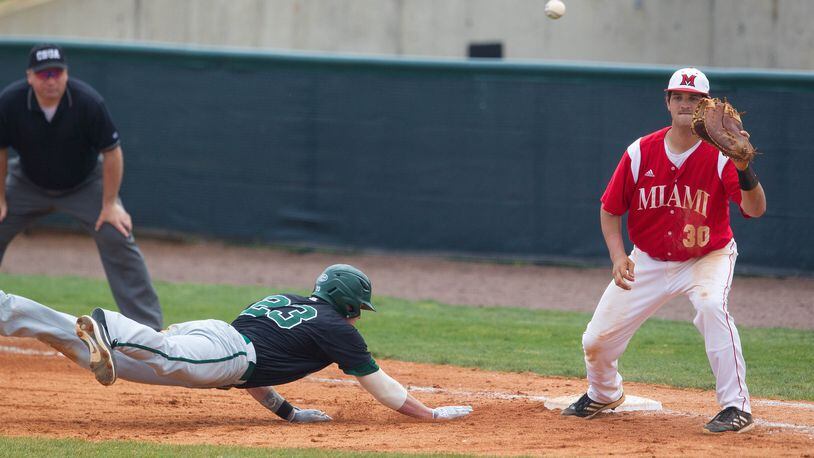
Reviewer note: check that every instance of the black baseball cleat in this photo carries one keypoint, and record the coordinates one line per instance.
(93, 332)
(586, 407)
(730, 419)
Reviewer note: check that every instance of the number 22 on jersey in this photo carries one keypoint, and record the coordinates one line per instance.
(286, 319)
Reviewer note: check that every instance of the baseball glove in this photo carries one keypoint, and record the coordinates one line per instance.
(717, 122)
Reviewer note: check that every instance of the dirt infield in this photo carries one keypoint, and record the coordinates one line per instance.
(47, 395)
(44, 394)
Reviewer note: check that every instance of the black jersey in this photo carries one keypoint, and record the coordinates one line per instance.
(295, 336)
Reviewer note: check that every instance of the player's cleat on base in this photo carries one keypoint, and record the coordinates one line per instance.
(93, 332)
(730, 419)
(586, 407)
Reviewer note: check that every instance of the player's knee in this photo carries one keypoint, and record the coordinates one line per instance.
(109, 237)
(8, 306)
(591, 344)
(161, 371)
(707, 306)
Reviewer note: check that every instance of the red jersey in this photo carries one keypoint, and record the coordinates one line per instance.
(676, 213)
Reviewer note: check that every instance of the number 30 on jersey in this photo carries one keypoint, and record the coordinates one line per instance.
(286, 319)
(695, 236)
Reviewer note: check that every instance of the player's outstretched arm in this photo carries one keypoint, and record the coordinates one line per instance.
(392, 394)
(271, 399)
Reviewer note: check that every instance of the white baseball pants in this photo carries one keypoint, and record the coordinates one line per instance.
(210, 339)
(196, 354)
(706, 281)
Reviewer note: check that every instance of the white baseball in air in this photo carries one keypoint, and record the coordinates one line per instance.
(554, 9)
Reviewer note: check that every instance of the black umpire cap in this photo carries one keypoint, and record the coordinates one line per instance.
(46, 56)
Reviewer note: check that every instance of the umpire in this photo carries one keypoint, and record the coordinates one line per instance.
(70, 160)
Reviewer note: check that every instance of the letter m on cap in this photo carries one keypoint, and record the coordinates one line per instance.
(688, 80)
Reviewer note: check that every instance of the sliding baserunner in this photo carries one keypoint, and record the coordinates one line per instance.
(276, 340)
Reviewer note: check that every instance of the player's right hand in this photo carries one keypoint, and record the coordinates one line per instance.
(309, 416)
(450, 412)
(3, 208)
(623, 270)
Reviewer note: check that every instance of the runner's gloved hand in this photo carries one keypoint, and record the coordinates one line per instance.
(308, 416)
(450, 412)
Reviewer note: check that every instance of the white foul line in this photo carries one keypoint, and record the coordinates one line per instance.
(771, 424)
(26, 351)
(430, 389)
(771, 403)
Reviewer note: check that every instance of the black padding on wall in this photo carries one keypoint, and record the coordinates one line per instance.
(494, 159)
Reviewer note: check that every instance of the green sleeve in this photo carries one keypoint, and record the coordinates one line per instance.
(363, 369)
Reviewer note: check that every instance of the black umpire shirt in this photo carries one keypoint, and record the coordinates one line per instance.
(60, 154)
(294, 336)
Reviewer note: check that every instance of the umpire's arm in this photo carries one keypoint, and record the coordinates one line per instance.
(112, 210)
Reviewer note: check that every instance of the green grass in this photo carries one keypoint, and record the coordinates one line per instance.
(31, 446)
(181, 302)
(779, 361)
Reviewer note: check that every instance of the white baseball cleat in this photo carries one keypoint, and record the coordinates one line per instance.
(93, 332)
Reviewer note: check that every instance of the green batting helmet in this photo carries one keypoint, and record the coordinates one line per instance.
(345, 287)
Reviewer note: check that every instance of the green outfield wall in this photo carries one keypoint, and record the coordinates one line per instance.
(486, 158)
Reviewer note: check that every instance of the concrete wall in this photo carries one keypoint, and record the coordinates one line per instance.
(728, 33)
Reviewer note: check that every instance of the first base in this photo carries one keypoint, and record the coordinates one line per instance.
(631, 404)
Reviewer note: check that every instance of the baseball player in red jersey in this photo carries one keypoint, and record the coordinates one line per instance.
(676, 190)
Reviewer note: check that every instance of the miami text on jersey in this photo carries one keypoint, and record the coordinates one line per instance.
(654, 197)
